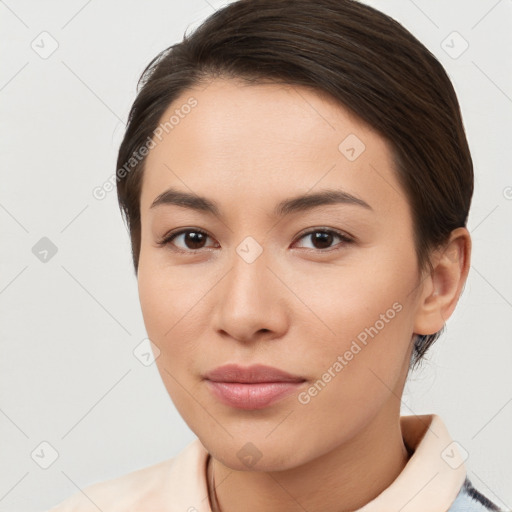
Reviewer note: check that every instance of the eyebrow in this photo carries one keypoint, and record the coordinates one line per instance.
(288, 206)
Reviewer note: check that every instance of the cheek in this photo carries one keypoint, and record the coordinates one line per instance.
(369, 298)
(168, 313)
(175, 314)
(154, 296)
(167, 296)
(162, 310)
(364, 336)
(360, 369)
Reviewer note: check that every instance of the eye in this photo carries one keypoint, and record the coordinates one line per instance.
(192, 240)
(323, 238)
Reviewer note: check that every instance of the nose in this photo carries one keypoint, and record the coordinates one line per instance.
(252, 303)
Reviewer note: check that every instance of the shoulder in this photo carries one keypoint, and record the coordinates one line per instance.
(177, 482)
(140, 487)
(470, 499)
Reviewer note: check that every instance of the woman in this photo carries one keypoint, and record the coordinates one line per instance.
(296, 180)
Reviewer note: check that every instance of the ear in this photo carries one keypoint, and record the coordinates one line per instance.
(443, 285)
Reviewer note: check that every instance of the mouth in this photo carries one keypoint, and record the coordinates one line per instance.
(253, 387)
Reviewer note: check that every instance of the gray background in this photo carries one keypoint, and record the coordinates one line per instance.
(70, 321)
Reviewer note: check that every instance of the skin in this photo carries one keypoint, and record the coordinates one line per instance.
(299, 305)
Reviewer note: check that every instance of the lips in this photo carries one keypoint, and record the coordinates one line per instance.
(253, 387)
(252, 374)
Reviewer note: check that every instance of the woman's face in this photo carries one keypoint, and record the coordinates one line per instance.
(326, 289)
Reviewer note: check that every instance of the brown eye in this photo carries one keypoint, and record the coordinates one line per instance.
(322, 239)
(190, 240)
(194, 239)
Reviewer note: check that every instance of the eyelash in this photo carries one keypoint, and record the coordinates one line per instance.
(169, 237)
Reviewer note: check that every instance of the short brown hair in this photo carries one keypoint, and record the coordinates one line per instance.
(361, 57)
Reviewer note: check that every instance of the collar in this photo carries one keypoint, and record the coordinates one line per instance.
(433, 476)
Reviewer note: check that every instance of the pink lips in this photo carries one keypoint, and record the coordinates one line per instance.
(253, 387)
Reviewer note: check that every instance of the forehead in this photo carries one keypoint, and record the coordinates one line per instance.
(269, 140)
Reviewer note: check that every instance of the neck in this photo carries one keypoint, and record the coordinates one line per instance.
(342, 480)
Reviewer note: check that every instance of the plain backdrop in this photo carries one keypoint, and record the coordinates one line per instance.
(77, 405)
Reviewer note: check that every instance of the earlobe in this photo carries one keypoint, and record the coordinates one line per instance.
(442, 287)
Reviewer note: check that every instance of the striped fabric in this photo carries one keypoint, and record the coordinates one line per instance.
(471, 500)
